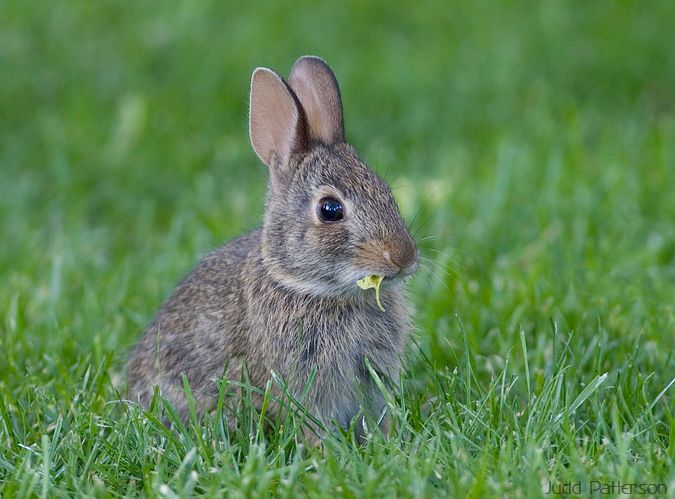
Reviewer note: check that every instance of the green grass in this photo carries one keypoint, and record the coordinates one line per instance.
(537, 142)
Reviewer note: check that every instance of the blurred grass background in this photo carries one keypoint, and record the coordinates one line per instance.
(537, 142)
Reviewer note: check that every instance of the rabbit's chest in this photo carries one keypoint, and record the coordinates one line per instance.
(343, 341)
(332, 341)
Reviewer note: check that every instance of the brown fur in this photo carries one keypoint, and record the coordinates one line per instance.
(284, 298)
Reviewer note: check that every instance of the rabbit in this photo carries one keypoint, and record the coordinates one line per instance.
(283, 299)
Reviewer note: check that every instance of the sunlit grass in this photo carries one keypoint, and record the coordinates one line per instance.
(531, 149)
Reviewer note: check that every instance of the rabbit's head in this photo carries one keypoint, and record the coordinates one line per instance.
(329, 219)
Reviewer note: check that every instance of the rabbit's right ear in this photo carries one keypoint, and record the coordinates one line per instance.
(277, 127)
(317, 89)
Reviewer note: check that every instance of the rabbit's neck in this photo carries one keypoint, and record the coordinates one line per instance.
(270, 266)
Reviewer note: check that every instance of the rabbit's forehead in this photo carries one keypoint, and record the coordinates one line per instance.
(347, 174)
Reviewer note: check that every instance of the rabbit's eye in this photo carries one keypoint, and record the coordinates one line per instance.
(330, 210)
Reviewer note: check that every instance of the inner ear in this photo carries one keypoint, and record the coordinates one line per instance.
(277, 126)
(317, 89)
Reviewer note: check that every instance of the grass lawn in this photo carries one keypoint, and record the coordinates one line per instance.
(533, 144)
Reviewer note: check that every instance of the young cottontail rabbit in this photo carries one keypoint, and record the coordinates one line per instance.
(284, 297)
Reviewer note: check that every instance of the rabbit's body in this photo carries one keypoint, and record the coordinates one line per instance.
(284, 298)
(201, 330)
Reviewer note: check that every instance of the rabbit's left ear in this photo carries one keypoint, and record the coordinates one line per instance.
(315, 86)
(276, 125)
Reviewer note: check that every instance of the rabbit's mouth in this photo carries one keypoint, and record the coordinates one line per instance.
(391, 276)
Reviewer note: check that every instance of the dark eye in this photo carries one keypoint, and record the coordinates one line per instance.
(330, 210)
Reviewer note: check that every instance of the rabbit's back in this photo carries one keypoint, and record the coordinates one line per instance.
(199, 330)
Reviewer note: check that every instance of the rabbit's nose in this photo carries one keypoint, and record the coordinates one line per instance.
(404, 255)
(412, 266)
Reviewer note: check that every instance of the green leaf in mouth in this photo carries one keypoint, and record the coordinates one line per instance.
(372, 281)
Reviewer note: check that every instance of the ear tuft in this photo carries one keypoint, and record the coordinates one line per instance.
(276, 125)
(317, 89)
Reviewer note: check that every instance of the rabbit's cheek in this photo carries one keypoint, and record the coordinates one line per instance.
(331, 241)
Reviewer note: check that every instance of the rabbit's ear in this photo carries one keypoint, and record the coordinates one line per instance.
(277, 127)
(319, 94)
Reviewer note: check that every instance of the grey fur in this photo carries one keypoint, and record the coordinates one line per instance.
(283, 298)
